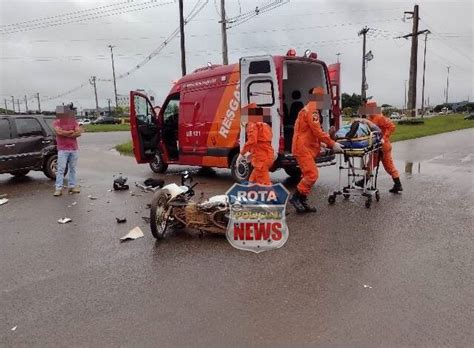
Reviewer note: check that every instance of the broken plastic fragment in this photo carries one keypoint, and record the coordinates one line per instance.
(64, 220)
(14, 328)
(367, 286)
(133, 234)
(92, 197)
(121, 220)
(3, 201)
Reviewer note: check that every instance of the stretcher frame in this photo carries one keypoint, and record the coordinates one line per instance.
(356, 162)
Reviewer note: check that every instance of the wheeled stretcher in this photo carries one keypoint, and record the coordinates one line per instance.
(359, 161)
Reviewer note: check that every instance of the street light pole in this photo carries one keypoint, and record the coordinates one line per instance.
(113, 73)
(424, 69)
(13, 103)
(447, 84)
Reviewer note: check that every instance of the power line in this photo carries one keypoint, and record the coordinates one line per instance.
(62, 15)
(193, 13)
(99, 14)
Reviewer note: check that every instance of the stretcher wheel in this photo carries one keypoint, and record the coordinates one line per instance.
(368, 203)
(377, 196)
(332, 199)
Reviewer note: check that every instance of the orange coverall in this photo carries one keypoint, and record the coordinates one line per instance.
(259, 144)
(307, 137)
(387, 127)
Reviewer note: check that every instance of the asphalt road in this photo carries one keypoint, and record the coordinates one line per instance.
(400, 273)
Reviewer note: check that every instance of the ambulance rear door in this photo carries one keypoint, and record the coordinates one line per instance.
(259, 85)
(335, 80)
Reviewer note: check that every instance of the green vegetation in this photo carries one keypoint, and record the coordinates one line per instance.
(432, 126)
(91, 128)
(125, 148)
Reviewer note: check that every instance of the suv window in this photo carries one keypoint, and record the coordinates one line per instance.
(49, 121)
(5, 132)
(27, 127)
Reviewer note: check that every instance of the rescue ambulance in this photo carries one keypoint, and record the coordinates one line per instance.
(202, 120)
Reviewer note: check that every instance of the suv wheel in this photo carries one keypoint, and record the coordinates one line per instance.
(158, 165)
(240, 171)
(20, 172)
(50, 167)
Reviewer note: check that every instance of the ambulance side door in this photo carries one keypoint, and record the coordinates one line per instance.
(259, 85)
(144, 127)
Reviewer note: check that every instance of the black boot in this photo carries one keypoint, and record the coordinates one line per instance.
(307, 207)
(296, 200)
(397, 186)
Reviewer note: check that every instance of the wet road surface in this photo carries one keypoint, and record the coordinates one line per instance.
(400, 273)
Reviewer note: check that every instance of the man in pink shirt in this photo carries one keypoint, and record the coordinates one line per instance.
(67, 131)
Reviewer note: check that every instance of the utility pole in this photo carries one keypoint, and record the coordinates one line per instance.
(225, 58)
(39, 103)
(363, 32)
(92, 81)
(110, 112)
(413, 59)
(13, 103)
(338, 54)
(447, 84)
(26, 104)
(18, 103)
(113, 72)
(6, 107)
(181, 33)
(424, 69)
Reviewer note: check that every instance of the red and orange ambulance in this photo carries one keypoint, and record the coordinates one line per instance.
(202, 120)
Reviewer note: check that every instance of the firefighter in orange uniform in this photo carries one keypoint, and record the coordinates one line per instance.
(387, 127)
(259, 148)
(307, 137)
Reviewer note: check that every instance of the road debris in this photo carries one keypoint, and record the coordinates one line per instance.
(92, 197)
(367, 286)
(64, 220)
(120, 184)
(154, 182)
(121, 220)
(145, 188)
(133, 234)
(73, 203)
(13, 328)
(3, 201)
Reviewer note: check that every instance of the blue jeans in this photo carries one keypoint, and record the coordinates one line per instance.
(69, 159)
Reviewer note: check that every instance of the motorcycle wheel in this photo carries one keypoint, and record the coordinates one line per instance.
(158, 209)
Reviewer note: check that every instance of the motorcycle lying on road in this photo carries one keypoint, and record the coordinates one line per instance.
(172, 207)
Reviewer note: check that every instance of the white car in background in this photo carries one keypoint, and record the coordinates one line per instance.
(84, 121)
(395, 116)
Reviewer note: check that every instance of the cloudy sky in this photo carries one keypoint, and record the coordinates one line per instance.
(52, 47)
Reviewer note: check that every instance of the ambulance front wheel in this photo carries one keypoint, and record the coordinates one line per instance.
(240, 171)
(157, 165)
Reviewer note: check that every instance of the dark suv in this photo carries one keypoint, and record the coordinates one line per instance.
(28, 142)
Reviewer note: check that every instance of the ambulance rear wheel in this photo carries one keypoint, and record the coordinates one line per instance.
(293, 172)
(157, 165)
(240, 171)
